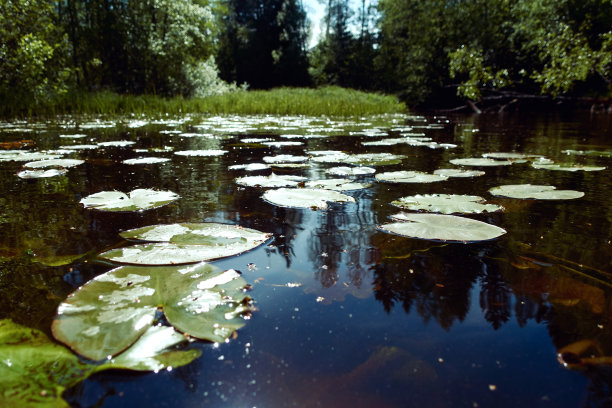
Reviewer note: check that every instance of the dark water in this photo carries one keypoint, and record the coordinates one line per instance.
(348, 316)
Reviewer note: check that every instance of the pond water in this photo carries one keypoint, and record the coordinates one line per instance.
(347, 315)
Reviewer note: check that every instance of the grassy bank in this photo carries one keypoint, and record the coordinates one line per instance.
(331, 101)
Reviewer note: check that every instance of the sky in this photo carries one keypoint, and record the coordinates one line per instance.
(316, 10)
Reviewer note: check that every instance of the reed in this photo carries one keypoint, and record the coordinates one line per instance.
(329, 101)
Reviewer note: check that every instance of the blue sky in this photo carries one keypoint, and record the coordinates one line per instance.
(315, 11)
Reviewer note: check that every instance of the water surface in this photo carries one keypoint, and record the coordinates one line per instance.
(347, 315)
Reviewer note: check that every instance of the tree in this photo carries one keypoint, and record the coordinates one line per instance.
(263, 43)
(32, 52)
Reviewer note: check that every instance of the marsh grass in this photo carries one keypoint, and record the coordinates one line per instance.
(330, 101)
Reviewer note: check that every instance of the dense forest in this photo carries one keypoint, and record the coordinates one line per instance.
(426, 51)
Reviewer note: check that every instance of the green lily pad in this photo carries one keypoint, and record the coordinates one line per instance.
(137, 200)
(146, 160)
(440, 227)
(31, 174)
(175, 244)
(374, 159)
(459, 173)
(61, 163)
(480, 162)
(117, 143)
(35, 371)
(249, 167)
(538, 192)
(272, 180)
(550, 165)
(446, 204)
(201, 153)
(337, 184)
(285, 158)
(404, 176)
(350, 171)
(513, 156)
(595, 153)
(305, 197)
(110, 313)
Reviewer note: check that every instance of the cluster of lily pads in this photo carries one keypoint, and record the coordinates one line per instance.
(114, 321)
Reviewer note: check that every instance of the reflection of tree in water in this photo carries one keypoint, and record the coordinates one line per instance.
(339, 247)
(435, 281)
(495, 297)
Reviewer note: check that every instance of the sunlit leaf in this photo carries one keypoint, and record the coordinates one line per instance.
(139, 199)
(305, 197)
(31, 174)
(446, 204)
(337, 184)
(550, 165)
(61, 163)
(440, 227)
(111, 312)
(459, 173)
(185, 243)
(270, 181)
(538, 192)
(404, 176)
(201, 153)
(480, 162)
(350, 171)
(116, 143)
(146, 160)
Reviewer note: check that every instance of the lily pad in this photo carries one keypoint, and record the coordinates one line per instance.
(446, 204)
(337, 184)
(31, 174)
(305, 197)
(137, 200)
(513, 156)
(441, 227)
(285, 158)
(409, 177)
(185, 243)
(480, 162)
(550, 165)
(249, 166)
(270, 181)
(538, 192)
(110, 313)
(146, 160)
(117, 143)
(350, 171)
(374, 159)
(35, 371)
(595, 153)
(201, 153)
(459, 173)
(60, 163)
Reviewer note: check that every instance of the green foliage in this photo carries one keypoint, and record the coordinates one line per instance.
(471, 62)
(32, 50)
(35, 371)
(263, 43)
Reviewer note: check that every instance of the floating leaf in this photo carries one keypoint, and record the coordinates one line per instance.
(80, 147)
(30, 174)
(201, 153)
(35, 371)
(374, 159)
(441, 227)
(459, 173)
(139, 199)
(337, 184)
(249, 166)
(19, 155)
(480, 161)
(270, 181)
(350, 171)
(596, 153)
(285, 158)
(305, 197)
(279, 144)
(446, 204)
(185, 243)
(409, 177)
(111, 312)
(61, 163)
(550, 165)
(538, 192)
(146, 160)
(116, 143)
(513, 156)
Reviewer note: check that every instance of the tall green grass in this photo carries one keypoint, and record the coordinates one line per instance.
(330, 101)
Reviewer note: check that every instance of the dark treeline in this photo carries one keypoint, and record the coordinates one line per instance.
(426, 51)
